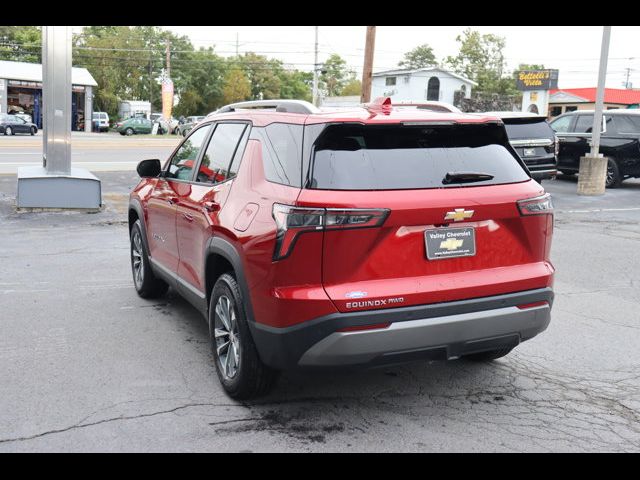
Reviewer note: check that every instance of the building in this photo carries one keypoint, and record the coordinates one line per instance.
(429, 83)
(21, 91)
(570, 99)
(133, 108)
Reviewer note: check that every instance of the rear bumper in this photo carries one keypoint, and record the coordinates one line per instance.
(437, 331)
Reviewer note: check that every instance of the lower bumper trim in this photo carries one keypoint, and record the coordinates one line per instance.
(450, 336)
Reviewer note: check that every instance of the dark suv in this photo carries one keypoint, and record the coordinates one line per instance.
(369, 236)
(619, 142)
(534, 140)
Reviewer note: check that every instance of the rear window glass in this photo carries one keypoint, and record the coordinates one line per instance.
(523, 130)
(373, 157)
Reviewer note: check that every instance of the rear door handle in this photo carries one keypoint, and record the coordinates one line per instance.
(211, 206)
(188, 218)
(171, 200)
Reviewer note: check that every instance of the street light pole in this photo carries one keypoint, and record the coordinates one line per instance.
(602, 77)
(593, 167)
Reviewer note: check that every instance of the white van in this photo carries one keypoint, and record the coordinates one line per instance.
(103, 120)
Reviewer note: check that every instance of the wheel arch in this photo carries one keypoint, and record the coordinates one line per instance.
(137, 213)
(220, 257)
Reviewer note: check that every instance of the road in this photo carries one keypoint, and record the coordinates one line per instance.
(85, 364)
(93, 151)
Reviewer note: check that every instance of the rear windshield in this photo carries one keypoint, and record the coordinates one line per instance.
(527, 129)
(375, 157)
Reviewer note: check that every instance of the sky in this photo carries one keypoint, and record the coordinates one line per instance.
(574, 50)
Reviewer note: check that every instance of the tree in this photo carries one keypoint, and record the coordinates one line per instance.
(420, 57)
(21, 43)
(263, 75)
(236, 86)
(335, 75)
(354, 87)
(296, 84)
(481, 59)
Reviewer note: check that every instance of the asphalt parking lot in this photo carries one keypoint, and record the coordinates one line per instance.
(85, 364)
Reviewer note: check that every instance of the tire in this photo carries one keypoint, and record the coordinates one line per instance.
(488, 356)
(614, 179)
(146, 283)
(129, 131)
(33, 131)
(9, 131)
(239, 368)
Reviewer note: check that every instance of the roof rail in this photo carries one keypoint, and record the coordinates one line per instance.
(289, 106)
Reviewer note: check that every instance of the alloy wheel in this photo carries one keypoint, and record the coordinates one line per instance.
(226, 337)
(136, 259)
(610, 175)
(8, 131)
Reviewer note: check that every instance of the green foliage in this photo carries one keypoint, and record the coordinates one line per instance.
(420, 57)
(21, 43)
(335, 75)
(353, 87)
(296, 85)
(236, 86)
(481, 59)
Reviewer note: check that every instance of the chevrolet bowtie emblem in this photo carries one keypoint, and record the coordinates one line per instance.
(451, 244)
(458, 214)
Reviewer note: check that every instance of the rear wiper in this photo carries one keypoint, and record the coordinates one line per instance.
(465, 177)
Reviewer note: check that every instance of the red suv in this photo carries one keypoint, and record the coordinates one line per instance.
(312, 238)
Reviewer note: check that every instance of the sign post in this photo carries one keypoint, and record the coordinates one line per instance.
(57, 184)
(535, 85)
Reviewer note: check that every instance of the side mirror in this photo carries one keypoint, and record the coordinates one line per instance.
(149, 168)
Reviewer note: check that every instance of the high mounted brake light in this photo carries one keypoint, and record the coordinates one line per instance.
(379, 105)
(292, 221)
(536, 206)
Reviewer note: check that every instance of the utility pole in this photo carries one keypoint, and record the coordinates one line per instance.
(593, 167)
(314, 95)
(626, 83)
(237, 45)
(367, 71)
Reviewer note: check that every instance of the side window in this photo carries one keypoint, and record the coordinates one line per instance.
(584, 124)
(623, 124)
(183, 162)
(282, 153)
(562, 124)
(215, 165)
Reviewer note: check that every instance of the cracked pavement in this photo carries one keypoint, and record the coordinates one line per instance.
(87, 365)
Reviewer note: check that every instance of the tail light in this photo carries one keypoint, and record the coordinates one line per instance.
(292, 221)
(536, 206)
(556, 145)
